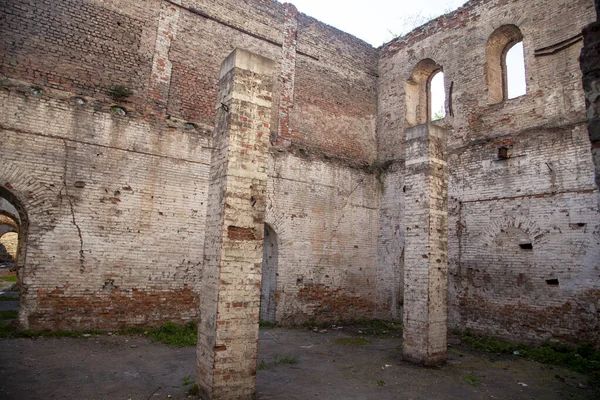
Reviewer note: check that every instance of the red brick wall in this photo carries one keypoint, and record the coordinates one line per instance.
(145, 240)
(80, 46)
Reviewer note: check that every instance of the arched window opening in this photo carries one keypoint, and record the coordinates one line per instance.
(437, 96)
(269, 276)
(515, 71)
(425, 94)
(505, 67)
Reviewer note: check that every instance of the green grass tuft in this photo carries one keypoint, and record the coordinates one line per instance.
(352, 341)
(8, 314)
(176, 335)
(194, 390)
(286, 359)
(170, 333)
(12, 278)
(266, 324)
(583, 358)
(188, 380)
(472, 380)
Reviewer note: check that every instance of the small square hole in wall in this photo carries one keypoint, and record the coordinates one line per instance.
(504, 153)
(552, 282)
(526, 246)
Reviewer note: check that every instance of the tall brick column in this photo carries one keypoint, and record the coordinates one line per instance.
(426, 246)
(288, 73)
(230, 290)
(590, 67)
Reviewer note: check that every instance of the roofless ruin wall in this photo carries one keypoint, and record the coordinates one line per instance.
(523, 246)
(116, 187)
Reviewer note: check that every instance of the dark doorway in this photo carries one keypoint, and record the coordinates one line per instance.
(269, 276)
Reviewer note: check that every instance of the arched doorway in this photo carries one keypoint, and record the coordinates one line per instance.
(269, 276)
(13, 233)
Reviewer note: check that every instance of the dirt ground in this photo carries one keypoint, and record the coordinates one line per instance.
(293, 364)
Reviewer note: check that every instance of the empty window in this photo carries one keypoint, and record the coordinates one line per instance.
(515, 71)
(425, 95)
(438, 96)
(505, 68)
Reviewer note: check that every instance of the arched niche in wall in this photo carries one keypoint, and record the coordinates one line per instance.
(268, 291)
(499, 75)
(418, 92)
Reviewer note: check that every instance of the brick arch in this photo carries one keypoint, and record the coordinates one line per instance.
(36, 201)
(417, 92)
(498, 44)
(22, 227)
(37, 206)
(8, 219)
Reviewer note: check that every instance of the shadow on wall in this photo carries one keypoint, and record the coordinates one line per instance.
(269, 276)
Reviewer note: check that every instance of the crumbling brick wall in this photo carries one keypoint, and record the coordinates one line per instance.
(116, 189)
(543, 195)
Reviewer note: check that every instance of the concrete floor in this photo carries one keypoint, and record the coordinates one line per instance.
(133, 367)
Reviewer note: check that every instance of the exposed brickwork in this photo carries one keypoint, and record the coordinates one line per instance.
(76, 45)
(288, 73)
(426, 241)
(134, 193)
(116, 204)
(104, 204)
(230, 301)
(495, 286)
(325, 217)
(162, 67)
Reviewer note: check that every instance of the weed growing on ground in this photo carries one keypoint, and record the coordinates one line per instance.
(286, 359)
(375, 327)
(312, 323)
(188, 380)
(472, 380)
(352, 341)
(176, 335)
(380, 383)
(8, 314)
(278, 359)
(262, 324)
(170, 333)
(12, 278)
(583, 358)
(194, 391)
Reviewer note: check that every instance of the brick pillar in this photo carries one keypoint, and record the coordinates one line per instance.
(426, 248)
(288, 73)
(230, 288)
(160, 79)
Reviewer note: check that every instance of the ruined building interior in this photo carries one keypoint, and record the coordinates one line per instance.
(170, 160)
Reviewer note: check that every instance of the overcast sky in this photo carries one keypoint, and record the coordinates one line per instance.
(372, 20)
